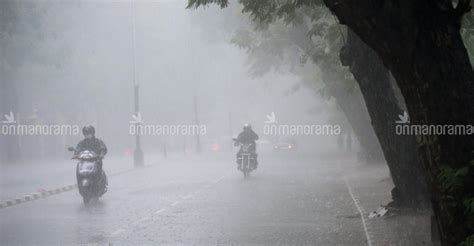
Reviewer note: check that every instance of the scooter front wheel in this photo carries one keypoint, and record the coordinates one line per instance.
(246, 172)
(86, 199)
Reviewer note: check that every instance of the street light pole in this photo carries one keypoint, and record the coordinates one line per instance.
(230, 128)
(196, 121)
(230, 114)
(138, 157)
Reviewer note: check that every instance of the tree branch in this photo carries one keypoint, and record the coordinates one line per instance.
(464, 6)
(197, 3)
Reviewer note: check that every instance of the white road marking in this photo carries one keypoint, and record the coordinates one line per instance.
(361, 212)
(175, 203)
(141, 220)
(115, 233)
(219, 179)
(187, 197)
(67, 188)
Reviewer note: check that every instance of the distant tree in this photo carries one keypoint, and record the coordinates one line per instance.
(13, 50)
(277, 47)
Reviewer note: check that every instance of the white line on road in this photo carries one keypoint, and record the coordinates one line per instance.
(141, 220)
(62, 189)
(356, 202)
(219, 179)
(187, 197)
(115, 233)
(160, 211)
(175, 203)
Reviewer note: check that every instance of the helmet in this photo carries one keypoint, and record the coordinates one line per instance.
(247, 127)
(86, 130)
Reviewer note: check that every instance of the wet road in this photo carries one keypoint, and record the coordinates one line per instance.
(291, 200)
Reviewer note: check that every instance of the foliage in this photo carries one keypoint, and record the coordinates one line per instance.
(265, 11)
(291, 36)
(452, 182)
(467, 32)
(197, 3)
(469, 241)
(298, 36)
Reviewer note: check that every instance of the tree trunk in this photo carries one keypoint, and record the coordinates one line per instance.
(9, 100)
(3, 110)
(353, 107)
(11, 140)
(383, 107)
(419, 41)
(350, 101)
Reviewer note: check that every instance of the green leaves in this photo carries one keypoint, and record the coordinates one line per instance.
(467, 33)
(451, 180)
(469, 205)
(452, 183)
(244, 39)
(469, 241)
(198, 3)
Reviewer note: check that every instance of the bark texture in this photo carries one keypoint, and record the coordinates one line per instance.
(420, 43)
(350, 101)
(400, 151)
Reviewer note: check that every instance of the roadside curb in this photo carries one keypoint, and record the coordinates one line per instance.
(47, 193)
(35, 196)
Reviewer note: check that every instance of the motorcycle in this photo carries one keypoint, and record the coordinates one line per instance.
(90, 182)
(245, 158)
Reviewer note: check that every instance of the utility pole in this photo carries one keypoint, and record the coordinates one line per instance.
(138, 157)
(229, 105)
(196, 121)
(230, 128)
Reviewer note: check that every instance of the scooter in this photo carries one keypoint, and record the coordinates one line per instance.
(91, 182)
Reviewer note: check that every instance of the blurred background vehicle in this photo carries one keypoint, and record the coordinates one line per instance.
(284, 144)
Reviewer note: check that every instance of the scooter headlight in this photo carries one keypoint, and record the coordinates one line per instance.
(85, 182)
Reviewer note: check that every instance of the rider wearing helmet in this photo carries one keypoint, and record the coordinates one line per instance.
(90, 142)
(248, 136)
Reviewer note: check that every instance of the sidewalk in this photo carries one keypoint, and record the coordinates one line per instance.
(371, 186)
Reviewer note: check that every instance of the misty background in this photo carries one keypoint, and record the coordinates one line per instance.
(72, 63)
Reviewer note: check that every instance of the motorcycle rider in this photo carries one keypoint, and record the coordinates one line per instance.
(248, 136)
(90, 142)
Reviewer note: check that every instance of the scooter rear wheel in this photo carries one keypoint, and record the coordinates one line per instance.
(86, 199)
(246, 172)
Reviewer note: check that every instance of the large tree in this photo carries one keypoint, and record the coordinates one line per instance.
(278, 47)
(314, 31)
(399, 150)
(26, 42)
(272, 46)
(419, 41)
